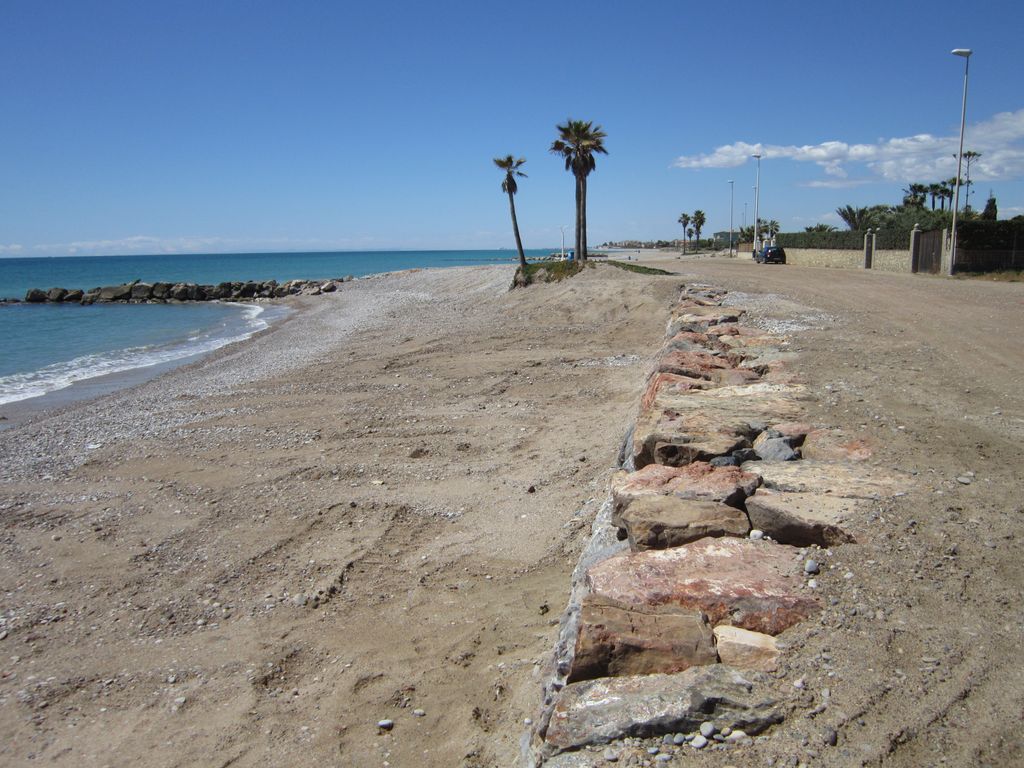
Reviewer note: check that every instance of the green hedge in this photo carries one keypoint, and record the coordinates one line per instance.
(885, 239)
(828, 240)
(990, 235)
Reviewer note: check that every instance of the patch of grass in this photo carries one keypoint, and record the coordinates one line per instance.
(631, 267)
(546, 272)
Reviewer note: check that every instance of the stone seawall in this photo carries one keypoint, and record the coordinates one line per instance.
(705, 552)
(138, 292)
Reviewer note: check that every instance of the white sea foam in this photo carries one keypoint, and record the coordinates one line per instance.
(23, 386)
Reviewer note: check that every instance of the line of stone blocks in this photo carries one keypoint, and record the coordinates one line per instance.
(722, 480)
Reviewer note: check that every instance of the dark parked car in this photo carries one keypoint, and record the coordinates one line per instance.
(771, 253)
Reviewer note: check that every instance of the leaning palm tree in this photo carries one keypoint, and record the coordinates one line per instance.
(699, 220)
(684, 219)
(511, 166)
(578, 141)
(854, 218)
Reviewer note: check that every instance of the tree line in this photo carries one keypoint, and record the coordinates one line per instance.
(578, 142)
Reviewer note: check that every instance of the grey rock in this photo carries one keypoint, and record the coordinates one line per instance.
(115, 293)
(811, 566)
(707, 729)
(35, 296)
(699, 742)
(775, 449)
(602, 710)
(385, 725)
(724, 461)
(141, 291)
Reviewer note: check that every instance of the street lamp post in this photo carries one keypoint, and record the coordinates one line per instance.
(966, 54)
(757, 200)
(562, 227)
(731, 188)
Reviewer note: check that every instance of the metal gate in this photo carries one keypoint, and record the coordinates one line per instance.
(928, 255)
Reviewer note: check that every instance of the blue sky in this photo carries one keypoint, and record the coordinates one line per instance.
(141, 127)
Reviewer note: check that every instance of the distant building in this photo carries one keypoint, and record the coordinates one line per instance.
(722, 238)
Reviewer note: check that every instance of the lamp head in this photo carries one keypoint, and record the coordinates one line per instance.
(965, 52)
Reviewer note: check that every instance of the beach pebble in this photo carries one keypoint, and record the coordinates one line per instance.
(418, 713)
(756, 534)
(679, 739)
(811, 566)
(699, 742)
(385, 725)
(707, 729)
(610, 755)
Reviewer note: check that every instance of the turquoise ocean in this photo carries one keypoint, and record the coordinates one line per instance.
(45, 348)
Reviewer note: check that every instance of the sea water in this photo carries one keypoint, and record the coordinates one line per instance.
(46, 347)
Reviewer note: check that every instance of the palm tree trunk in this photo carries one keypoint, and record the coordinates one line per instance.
(515, 229)
(577, 255)
(583, 214)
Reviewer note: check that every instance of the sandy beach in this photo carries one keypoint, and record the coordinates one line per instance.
(371, 511)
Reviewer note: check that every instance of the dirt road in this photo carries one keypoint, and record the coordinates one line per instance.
(920, 653)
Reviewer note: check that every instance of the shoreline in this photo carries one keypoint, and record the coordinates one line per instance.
(89, 388)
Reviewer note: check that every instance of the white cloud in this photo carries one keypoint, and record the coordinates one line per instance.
(837, 183)
(14, 249)
(1000, 140)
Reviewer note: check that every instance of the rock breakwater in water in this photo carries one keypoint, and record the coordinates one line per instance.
(138, 292)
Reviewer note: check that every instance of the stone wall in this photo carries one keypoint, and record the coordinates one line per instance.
(891, 261)
(823, 257)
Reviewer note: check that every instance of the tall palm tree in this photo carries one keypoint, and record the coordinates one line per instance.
(684, 219)
(578, 141)
(699, 220)
(511, 165)
(934, 190)
(914, 195)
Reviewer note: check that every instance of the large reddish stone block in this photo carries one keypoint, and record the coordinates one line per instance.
(695, 364)
(696, 318)
(616, 640)
(671, 384)
(699, 480)
(659, 522)
(754, 585)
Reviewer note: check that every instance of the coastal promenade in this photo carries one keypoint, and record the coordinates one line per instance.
(371, 513)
